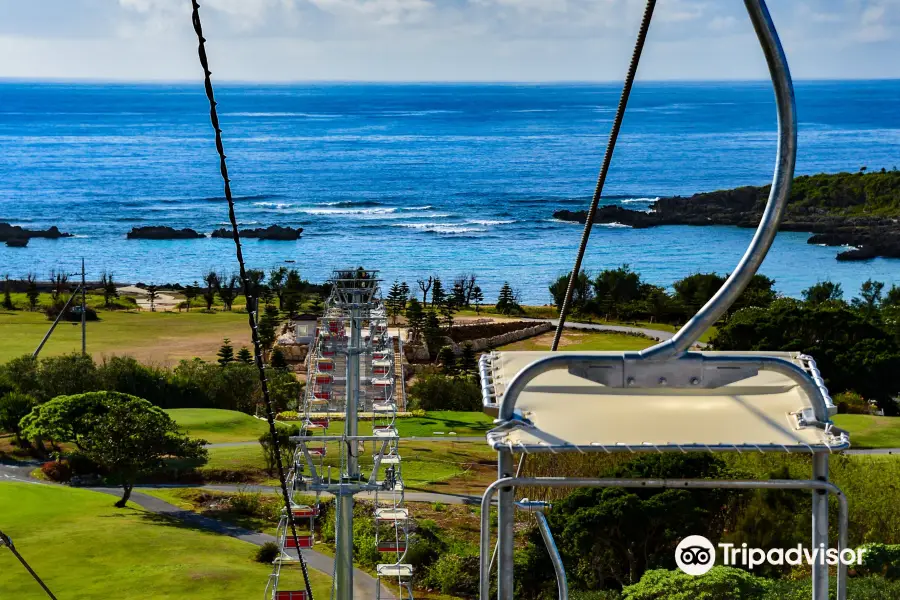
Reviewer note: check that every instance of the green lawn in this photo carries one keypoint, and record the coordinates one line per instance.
(583, 340)
(85, 549)
(433, 424)
(159, 338)
(868, 431)
(218, 426)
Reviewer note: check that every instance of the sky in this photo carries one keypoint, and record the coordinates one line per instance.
(439, 40)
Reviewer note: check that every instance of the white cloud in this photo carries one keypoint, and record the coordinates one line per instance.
(443, 39)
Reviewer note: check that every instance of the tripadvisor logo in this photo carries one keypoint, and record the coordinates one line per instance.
(696, 555)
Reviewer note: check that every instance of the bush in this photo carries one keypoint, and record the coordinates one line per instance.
(721, 583)
(82, 465)
(58, 471)
(851, 403)
(441, 392)
(246, 503)
(288, 415)
(881, 559)
(267, 553)
(285, 446)
(455, 575)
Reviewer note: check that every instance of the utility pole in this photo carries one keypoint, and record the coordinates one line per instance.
(83, 313)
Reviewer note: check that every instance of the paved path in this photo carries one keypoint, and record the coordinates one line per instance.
(363, 583)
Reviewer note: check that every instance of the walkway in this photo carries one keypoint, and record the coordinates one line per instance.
(653, 333)
(363, 583)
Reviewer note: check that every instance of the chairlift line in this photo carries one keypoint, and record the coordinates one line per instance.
(252, 307)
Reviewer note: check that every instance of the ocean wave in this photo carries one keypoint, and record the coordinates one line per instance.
(614, 225)
(276, 205)
(348, 203)
(639, 200)
(417, 113)
(282, 114)
(345, 211)
(445, 228)
(491, 222)
(409, 208)
(236, 198)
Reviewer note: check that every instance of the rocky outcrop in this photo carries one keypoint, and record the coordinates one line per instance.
(162, 233)
(844, 209)
(16, 234)
(273, 232)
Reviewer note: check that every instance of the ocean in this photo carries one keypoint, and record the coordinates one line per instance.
(418, 179)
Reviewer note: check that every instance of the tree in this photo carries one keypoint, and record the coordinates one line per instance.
(425, 285)
(125, 435)
(468, 361)
(32, 291)
(823, 292)
(582, 294)
(458, 292)
(477, 299)
(615, 288)
(227, 289)
(404, 294)
(434, 337)
(266, 327)
(108, 286)
(225, 353)
(695, 290)
(256, 287)
(871, 297)
(190, 292)
(448, 361)
(152, 295)
(245, 356)
(278, 361)
(394, 301)
(506, 301)
(7, 299)
(58, 280)
(447, 309)
(415, 318)
(14, 406)
(316, 306)
(292, 292)
(438, 295)
(277, 279)
(892, 297)
(209, 292)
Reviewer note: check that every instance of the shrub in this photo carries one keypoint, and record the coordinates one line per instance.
(57, 471)
(82, 465)
(721, 583)
(288, 415)
(851, 403)
(285, 446)
(267, 553)
(441, 392)
(881, 559)
(455, 574)
(246, 503)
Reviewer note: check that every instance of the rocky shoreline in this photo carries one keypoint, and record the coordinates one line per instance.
(828, 206)
(17, 237)
(273, 232)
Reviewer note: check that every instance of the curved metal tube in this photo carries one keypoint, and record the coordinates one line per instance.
(561, 583)
(565, 482)
(778, 196)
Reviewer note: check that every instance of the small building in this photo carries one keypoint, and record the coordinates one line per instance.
(304, 326)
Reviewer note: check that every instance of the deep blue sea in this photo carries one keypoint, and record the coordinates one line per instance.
(420, 178)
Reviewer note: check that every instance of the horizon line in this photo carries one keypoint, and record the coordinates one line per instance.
(279, 82)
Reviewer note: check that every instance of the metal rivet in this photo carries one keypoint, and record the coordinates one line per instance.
(630, 381)
(695, 381)
(663, 381)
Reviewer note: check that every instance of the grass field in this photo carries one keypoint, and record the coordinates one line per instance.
(583, 340)
(218, 426)
(868, 431)
(158, 338)
(85, 549)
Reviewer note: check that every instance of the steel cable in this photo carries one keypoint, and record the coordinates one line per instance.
(5, 540)
(604, 169)
(252, 303)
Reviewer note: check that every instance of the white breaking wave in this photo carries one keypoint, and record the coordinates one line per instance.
(282, 114)
(440, 227)
(277, 205)
(489, 222)
(347, 211)
(614, 225)
(639, 200)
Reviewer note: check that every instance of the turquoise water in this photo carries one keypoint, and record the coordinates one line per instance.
(417, 179)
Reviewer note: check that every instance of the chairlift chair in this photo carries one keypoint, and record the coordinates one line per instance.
(668, 398)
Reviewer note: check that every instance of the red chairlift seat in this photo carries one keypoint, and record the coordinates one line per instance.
(317, 424)
(392, 546)
(286, 595)
(305, 511)
(301, 541)
(323, 395)
(324, 378)
(328, 353)
(320, 451)
(325, 364)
